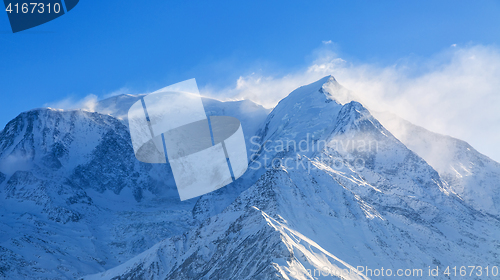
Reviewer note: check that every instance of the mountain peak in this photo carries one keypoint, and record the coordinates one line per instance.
(321, 83)
(325, 88)
(330, 78)
(335, 91)
(327, 79)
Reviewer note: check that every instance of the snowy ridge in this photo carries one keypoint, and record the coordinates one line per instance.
(470, 174)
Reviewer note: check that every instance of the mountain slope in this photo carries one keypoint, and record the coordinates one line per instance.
(470, 174)
(240, 243)
(62, 170)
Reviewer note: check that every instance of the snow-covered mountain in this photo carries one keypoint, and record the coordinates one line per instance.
(330, 193)
(74, 200)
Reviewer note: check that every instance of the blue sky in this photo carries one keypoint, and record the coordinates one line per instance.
(101, 47)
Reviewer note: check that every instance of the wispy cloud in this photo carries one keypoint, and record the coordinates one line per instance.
(123, 90)
(88, 103)
(455, 92)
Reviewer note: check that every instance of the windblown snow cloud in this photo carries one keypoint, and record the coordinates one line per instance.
(455, 92)
(88, 103)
